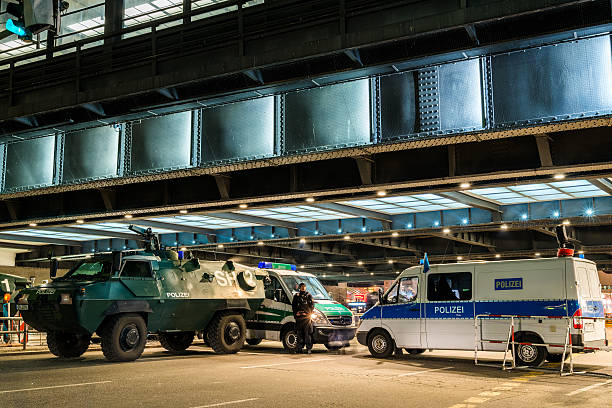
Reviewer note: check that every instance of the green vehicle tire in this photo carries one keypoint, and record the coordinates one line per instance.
(67, 345)
(227, 333)
(176, 341)
(253, 342)
(124, 337)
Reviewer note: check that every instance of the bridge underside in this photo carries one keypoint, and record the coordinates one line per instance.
(433, 135)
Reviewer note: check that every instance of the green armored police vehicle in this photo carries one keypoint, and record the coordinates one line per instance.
(124, 297)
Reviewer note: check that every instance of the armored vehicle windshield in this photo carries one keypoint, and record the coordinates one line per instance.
(99, 270)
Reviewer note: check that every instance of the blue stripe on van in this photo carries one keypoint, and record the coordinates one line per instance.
(465, 309)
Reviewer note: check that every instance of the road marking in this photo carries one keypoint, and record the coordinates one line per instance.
(424, 371)
(590, 387)
(476, 400)
(304, 360)
(489, 394)
(54, 386)
(220, 404)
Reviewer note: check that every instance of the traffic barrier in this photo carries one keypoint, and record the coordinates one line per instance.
(510, 340)
(15, 326)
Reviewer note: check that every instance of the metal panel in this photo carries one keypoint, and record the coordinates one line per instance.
(328, 117)
(30, 164)
(398, 106)
(241, 130)
(91, 154)
(557, 82)
(460, 102)
(161, 144)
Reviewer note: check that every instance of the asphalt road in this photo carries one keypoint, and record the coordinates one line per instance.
(265, 376)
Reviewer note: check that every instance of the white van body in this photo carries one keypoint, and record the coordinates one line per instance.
(449, 296)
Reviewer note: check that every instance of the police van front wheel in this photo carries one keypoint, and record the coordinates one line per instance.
(380, 344)
(290, 339)
(527, 354)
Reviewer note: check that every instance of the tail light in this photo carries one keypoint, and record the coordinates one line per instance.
(577, 321)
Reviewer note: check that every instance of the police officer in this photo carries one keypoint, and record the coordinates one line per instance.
(303, 306)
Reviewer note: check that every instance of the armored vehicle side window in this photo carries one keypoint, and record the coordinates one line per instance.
(449, 286)
(405, 291)
(274, 291)
(136, 269)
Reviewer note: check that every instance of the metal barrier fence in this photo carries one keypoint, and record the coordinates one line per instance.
(15, 329)
(510, 340)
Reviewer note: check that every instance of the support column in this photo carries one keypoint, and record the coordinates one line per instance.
(113, 18)
(186, 9)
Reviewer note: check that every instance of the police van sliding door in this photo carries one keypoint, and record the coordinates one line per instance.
(401, 312)
(449, 309)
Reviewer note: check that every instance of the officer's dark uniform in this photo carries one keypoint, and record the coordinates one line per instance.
(303, 305)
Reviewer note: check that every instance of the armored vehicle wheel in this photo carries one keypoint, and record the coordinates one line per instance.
(67, 345)
(290, 339)
(527, 354)
(380, 344)
(253, 342)
(227, 333)
(177, 341)
(124, 337)
(415, 351)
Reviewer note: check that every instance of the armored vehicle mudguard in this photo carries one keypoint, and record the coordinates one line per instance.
(123, 298)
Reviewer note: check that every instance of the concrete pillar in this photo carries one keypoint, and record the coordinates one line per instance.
(113, 18)
(186, 9)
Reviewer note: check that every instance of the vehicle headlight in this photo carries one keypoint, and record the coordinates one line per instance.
(318, 317)
(65, 299)
(356, 320)
(23, 299)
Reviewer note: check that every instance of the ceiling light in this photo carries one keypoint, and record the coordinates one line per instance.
(394, 234)
(537, 254)
(301, 266)
(566, 222)
(524, 216)
(436, 223)
(504, 227)
(460, 258)
(390, 261)
(183, 249)
(446, 231)
(581, 252)
(465, 185)
(381, 193)
(409, 226)
(348, 274)
(559, 176)
(80, 221)
(589, 211)
(371, 273)
(310, 200)
(220, 246)
(302, 241)
(359, 262)
(324, 275)
(32, 224)
(243, 205)
(556, 214)
(183, 211)
(329, 265)
(260, 243)
(464, 221)
(498, 256)
(347, 237)
(128, 216)
(397, 272)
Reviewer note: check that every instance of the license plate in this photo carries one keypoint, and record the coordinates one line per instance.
(22, 307)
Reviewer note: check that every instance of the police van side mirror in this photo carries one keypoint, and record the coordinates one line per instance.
(278, 295)
(53, 266)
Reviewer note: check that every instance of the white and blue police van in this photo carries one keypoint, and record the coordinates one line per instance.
(436, 308)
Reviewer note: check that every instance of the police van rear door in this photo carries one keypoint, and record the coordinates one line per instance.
(449, 309)
(590, 300)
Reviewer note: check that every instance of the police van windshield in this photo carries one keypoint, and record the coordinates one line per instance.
(313, 286)
(90, 270)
